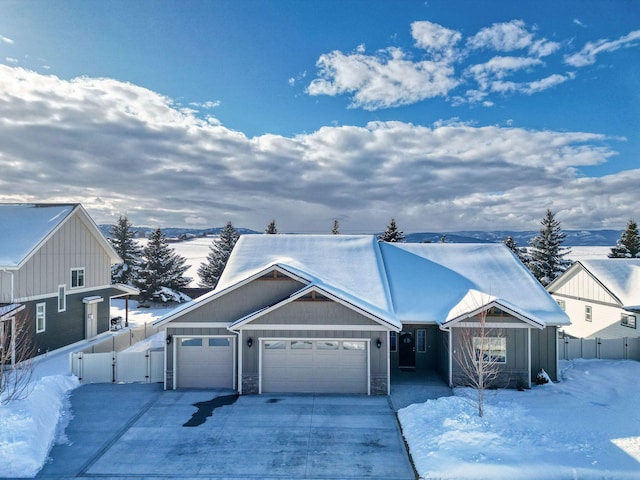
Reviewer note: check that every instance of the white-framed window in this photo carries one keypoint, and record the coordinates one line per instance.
(41, 317)
(393, 341)
(421, 340)
(627, 320)
(562, 304)
(588, 313)
(62, 298)
(492, 349)
(77, 277)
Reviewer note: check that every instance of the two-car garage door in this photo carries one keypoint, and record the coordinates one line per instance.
(205, 362)
(314, 366)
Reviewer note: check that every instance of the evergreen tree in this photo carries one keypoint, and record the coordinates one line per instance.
(219, 254)
(392, 234)
(628, 245)
(271, 228)
(513, 246)
(162, 272)
(122, 240)
(547, 260)
(336, 228)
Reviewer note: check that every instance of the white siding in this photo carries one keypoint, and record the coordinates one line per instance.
(605, 321)
(582, 285)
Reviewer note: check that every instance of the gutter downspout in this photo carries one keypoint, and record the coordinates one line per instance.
(10, 272)
(238, 337)
(448, 330)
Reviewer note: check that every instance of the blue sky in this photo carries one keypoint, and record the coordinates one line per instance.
(445, 115)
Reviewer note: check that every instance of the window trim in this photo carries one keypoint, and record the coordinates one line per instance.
(82, 277)
(490, 349)
(588, 313)
(625, 316)
(393, 341)
(62, 298)
(562, 304)
(41, 312)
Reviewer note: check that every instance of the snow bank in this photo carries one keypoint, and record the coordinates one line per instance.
(584, 427)
(28, 427)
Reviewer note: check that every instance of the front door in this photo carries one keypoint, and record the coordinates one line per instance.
(407, 350)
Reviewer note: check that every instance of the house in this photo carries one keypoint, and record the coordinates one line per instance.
(55, 269)
(601, 297)
(340, 313)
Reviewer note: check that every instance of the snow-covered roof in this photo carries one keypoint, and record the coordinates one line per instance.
(350, 264)
(25, 226)
(428, 280)
(621, 276)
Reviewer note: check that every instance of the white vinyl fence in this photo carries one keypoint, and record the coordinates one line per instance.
(611, 349)
(119, 367)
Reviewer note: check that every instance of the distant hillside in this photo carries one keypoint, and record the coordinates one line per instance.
(590, 238)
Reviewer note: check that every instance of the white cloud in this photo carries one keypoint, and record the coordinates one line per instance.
(4, 39)
(387, 79)
(118, 147)
(11, 60)
(437, 40)
(588, 54)
(208, 105)
(502, 37)
(498, 68)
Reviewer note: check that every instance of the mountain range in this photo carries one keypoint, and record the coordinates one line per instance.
(605, 238)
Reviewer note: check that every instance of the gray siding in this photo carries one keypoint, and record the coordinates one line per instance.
(443, 355)
(72, 246)
(5, 287)
(241, 301)
(514, 372)
(544, 346)
(317, 312)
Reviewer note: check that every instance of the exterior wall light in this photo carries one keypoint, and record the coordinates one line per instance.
(169, 338)
(249, 342)
(379, 343)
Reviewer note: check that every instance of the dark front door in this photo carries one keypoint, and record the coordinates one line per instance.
(407, 353)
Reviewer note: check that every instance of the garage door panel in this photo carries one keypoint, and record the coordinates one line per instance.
(318, 367)
(205, 363)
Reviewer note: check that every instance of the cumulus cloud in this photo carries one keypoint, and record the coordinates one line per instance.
(385, 79)
(392, 77)
(588, 54)
(118, 147)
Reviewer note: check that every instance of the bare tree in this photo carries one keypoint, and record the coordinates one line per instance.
(481, 354)
(17, 350)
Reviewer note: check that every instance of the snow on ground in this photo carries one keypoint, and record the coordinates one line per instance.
(30, 427)
(585, 427)
(586, 252)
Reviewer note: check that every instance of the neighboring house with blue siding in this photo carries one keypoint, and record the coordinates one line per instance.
(55, 268)
(347, 314)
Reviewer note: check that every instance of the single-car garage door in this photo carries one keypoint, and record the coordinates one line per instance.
(314, 366)
(205, 362)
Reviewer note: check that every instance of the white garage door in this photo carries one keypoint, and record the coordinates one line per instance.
(314, 366)
(205, 362)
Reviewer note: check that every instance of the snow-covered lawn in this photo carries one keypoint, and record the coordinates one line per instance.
(585, 427)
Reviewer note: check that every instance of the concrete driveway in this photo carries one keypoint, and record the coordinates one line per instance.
(139, 431)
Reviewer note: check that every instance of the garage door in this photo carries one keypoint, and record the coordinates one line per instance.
(314, 366)
(205, 362)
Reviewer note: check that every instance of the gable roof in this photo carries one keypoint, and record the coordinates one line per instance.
(26, 227)
(429, 280)
(619, 276)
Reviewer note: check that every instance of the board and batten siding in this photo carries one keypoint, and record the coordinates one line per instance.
(72, 246)
(240, 302)
(581, 285)
(5, 287)
(544, 352)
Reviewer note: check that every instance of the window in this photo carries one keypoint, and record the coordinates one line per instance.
(492, 349)
(393, 341)
(62, 298)
(218, 342)
(41, 317)
(422, 340)
(562, 304)
(301, 345)
(588, 316)
(274, 345)
(327, 345)
(191, 342)
(627, 320)
(77, 277)
(353, 345)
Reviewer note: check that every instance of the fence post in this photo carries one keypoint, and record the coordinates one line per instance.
(625, 348)
(113, 366)
(147, 377)
(598, 348)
